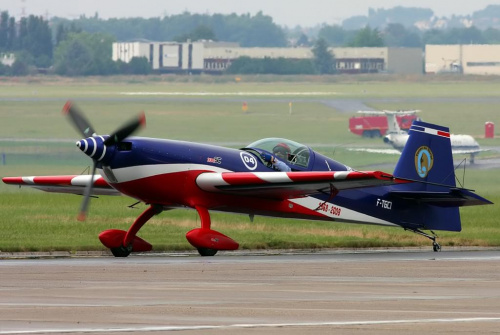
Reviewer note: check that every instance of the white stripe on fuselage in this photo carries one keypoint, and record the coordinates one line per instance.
(345, 214)
(144, 171)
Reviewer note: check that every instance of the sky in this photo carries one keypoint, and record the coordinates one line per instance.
(306, 13)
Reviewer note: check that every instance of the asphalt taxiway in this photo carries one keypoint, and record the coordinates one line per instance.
(349, 292)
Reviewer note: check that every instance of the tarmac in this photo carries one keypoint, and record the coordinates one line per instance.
(286, 292)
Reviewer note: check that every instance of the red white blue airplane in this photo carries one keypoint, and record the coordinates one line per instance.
(420, 195)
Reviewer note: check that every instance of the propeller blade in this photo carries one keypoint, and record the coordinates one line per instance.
(86, 196)
(125, 131)
(79, 121)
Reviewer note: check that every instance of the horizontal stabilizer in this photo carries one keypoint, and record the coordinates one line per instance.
(454, 198)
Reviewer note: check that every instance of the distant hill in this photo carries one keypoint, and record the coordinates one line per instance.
(424, 19)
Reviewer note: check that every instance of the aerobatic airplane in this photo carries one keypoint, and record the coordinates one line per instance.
(420, 195)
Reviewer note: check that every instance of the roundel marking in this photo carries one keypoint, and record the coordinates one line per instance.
(249, 160)
(424, 159)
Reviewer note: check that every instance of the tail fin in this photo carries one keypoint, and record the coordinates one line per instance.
(427, 156)
(392, 123)
(433, 200)
(427, 159)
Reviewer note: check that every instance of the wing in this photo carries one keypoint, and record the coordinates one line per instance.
(467, 151)
(286, 185)
(74, 184)
(377, 151)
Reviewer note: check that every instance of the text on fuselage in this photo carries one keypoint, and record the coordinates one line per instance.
(384, 204)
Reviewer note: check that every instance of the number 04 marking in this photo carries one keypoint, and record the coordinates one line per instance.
(249, 160)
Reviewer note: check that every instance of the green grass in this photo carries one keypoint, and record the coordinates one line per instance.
(37, 140)
(336, 86)
(33, 221)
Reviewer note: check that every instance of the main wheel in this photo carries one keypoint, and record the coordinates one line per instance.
(436, 247)
(207, 251)
(121, 251)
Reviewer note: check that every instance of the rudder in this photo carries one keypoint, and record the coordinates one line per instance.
(427, 156)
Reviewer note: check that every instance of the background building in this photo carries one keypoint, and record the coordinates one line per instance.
(215, 57)
(7, 59)
(382, 59)
(478, 59)
(163, 56)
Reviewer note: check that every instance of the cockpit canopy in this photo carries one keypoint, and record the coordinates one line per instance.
(294, 153)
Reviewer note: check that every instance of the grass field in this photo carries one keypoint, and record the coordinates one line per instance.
(35, 139)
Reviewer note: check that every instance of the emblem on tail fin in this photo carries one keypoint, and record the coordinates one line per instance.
(424, 159)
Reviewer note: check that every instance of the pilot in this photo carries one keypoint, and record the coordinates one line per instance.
(281, 152)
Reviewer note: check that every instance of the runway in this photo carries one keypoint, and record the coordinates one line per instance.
(346, 292)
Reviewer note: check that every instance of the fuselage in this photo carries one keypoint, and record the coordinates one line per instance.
(165, 172)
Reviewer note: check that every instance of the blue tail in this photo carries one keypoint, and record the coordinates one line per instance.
(427, 157)
(432, 200)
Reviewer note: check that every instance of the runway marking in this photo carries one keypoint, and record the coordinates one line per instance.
(240, 326)
(230, 93)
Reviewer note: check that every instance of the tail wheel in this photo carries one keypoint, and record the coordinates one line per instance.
(121, 251)
(207, 251)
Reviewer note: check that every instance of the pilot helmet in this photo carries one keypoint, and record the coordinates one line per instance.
(282, 150)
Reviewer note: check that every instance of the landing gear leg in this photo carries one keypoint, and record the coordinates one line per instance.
(122, 243)
(205, 224)
(435, 246)
(139, 222)
(206, 240)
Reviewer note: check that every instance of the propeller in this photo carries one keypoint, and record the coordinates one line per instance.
(126, 130)
(79, 121)
(84, 127)
(82, 215)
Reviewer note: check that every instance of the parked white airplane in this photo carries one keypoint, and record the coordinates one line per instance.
(460, 144)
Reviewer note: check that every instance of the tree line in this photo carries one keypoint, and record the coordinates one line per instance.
(397, 35)
(83, 46)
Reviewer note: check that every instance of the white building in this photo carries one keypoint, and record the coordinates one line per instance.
(7, 59)
(215, 57)
(166, 56)
(477, 59)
